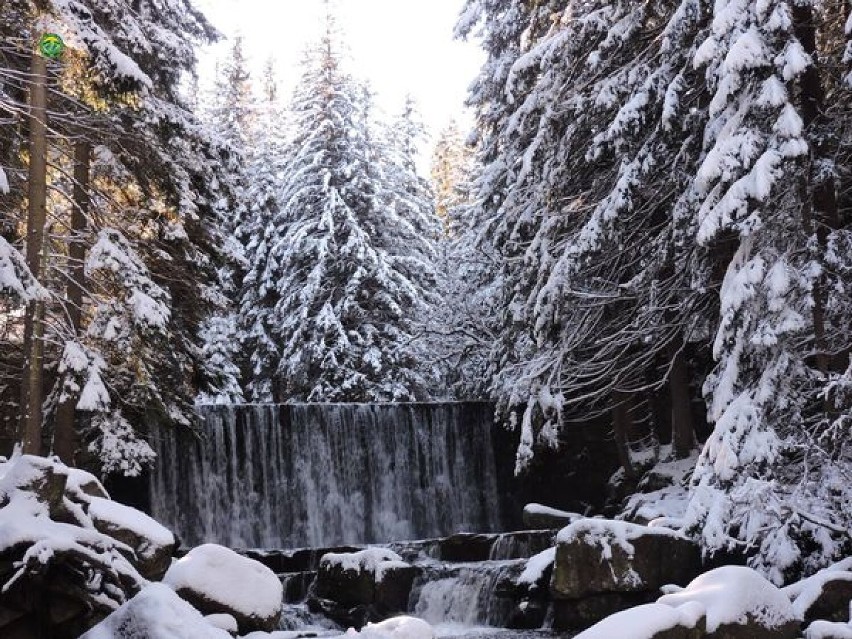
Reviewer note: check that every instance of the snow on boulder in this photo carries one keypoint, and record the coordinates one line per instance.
(152, 543)
(369, 585)
(49, 550)
(828, 630)
(537, 516)
(537, 569)
(652, 621)
(740, 604)
(825, 595)
(223, 622)
(156, 613)
(597, 556)
(82, 485)
(396, 628)
(216, 580)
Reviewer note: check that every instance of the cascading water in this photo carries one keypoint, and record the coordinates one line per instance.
(467, 594)
(325, 474)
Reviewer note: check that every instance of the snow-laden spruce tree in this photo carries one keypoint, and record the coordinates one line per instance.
(771, 481)
(588, 116)
(261, 232)
(341, 303)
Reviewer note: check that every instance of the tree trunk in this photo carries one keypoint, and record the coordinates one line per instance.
(621, 427)
(31, 387)
(65, 435)
(820, 212)
(683, 433)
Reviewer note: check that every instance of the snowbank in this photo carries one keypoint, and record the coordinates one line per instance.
(644, 622)
(217, 580)
(156, 613)
(735, 595)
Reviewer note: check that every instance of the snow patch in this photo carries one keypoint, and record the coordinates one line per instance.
(536, 565)
(645, 622)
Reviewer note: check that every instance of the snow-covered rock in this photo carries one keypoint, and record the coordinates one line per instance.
(153, 543)
(825, 595)
(369, 585)
(739, 604)
(651, 621)
(537, 569)
(216, 580)
(156, 613)
(545, 518)
(50, 548)
(396, 628)
(829, 630)
(598, 555)
(223, 622)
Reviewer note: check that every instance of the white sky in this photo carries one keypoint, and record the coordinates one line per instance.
(400, 46)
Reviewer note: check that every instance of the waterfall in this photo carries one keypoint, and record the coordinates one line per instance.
(324, 474)
(467, 594)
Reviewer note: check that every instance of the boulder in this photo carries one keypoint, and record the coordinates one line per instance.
(152, 543)
(466, 547)
(825, 595)
(539, 517)
(216, 580)
(596, 556)
(739, 604)
(156, 613)
(369, 585)
(652, 621)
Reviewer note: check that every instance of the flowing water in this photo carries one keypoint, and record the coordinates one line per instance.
(264, 476)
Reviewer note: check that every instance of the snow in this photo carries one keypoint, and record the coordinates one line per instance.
(25, 520)
(132, 520)
(804, 593)
(609, 533)
(828, 630)
(4, 182)
(539, 509)
(221, 575)
(535, 567)
(15, 277)
(156, 613)
(224, 622)
(402, 627)
(644, 622)
(77, 479)
(733, 595)
(375, 560)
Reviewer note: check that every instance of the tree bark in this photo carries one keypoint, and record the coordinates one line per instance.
(31, 389)
(621, 427)
(65, 435)
(683, 432)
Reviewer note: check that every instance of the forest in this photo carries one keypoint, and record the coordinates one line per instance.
(644, 239)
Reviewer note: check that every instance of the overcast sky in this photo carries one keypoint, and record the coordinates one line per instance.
(401, 46)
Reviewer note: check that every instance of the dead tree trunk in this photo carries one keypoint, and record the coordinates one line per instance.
(32, 384)
(65, 435)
